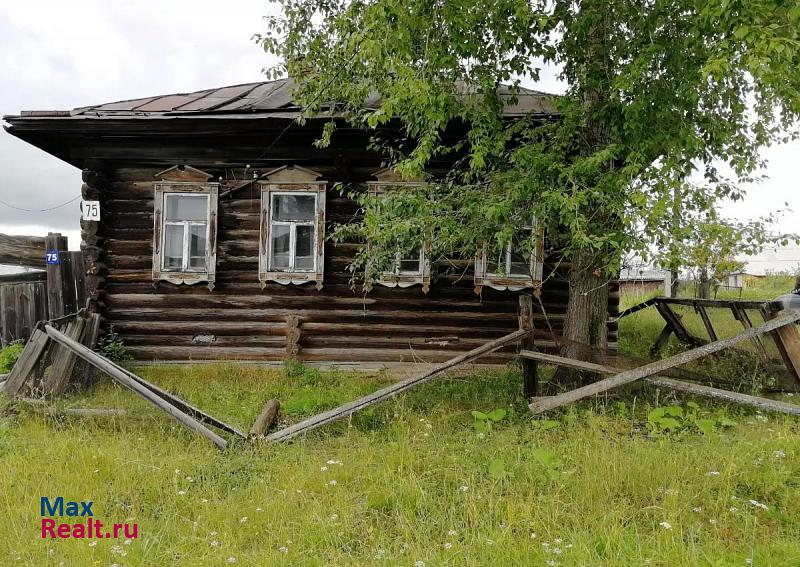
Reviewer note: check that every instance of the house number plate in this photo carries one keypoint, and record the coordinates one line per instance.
(91, 210)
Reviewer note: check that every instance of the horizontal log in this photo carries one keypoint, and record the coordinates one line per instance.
(25, 251)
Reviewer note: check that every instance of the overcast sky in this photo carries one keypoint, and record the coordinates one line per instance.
(64, 54)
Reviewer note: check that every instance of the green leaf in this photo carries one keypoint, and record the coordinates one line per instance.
(483, 426)
(546, 458)
(741, 32)
(479, 415)
(674, 411)
(693, 405)
(706, 426)
(497, 414)
(725, 422)
(656, 414)
(669, 423)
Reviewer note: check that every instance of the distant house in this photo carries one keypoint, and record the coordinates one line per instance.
(741, 279)
(644, 280)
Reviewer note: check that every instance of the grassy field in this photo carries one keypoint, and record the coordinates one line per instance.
(641, 478)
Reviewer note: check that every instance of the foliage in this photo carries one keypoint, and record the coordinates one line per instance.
(655, 92)
(112, 347)
(483, 421)
(672, 419)
(9, 355)
(596, 490)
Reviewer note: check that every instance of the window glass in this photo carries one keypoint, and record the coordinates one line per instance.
(280, 247)
(304, 248)
(197, 246)
(293, 207)
(410, 263)
(173, 246)
(187, 207)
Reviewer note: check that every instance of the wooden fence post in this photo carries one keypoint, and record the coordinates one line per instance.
(55, 275)
(530, 375)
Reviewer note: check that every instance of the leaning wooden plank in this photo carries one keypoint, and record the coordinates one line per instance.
(637, 307)
(109, 368)
(26, 363)
(64, 361)
(657, 367)
(265, 418)
(182, 405)
(389, 391)
(678, 385)
(787, 341)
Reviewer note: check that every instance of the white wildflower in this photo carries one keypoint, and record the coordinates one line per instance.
(557, 550)
(332, 482)
(334, 517)
(779, 454)
(283, 549)
(189, 479)
(557, 540)
(712, 473)
(758, 504)
(448, 545)
(665, 525)
(231, 559)
(733, 509)
(181, 492)
(379, 553)
(697, 509)
(713, 522)
(749, 560)
(215, 543)
(243, 519)
(533, 535)
(92, 544)
(259, 509)
(212, 534)
(552, 562)
(452, 533)
(177, 471)
(204, 501)
(127, 542)
(419, 563)
(463, 488)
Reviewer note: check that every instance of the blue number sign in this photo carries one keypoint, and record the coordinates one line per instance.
(51, 257)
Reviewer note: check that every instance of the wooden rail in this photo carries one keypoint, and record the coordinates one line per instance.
(544, 404)
(394, 389)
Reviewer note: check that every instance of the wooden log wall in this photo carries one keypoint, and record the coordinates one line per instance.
(239, 320)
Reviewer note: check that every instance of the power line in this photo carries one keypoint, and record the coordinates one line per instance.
(10, 206)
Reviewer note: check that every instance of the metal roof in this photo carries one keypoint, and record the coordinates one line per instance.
(273, 97)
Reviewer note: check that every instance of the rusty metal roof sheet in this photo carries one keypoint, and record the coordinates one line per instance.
(273, 97)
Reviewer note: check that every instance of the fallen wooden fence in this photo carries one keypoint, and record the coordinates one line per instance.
(627, 376)
(123, 378)
(394, 389)
(669, 383)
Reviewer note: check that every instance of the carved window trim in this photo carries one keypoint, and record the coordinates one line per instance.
(512, 282)
(396, 277)
(162, 190)
(289, 180)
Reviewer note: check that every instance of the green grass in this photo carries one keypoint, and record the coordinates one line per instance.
(604, 482)
(415, 483)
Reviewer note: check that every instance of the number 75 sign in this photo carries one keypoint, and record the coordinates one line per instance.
(91, 210)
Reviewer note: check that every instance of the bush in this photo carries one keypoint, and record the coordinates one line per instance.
(112, 347)
(9, 355)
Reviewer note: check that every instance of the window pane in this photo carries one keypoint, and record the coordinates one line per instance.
(304, 248)
(520, 262)
(280, 247)
(187, 207)
(496, 259)
(293, 207)
(410, 263)
(173, 247)
(197, 246)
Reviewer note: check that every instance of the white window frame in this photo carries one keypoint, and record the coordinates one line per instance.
(185, 267)
(405, 278)
(185, 274)
(291, 181)
(292, 232)
(510, 281)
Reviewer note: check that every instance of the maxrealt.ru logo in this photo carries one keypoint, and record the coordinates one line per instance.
(91, 528)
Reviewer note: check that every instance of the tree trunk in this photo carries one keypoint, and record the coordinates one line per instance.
(705, 285)
(586, 319)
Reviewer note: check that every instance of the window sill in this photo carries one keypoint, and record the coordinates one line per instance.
(509, 284)
(291, 278)
(185, 278)
(405, 281)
